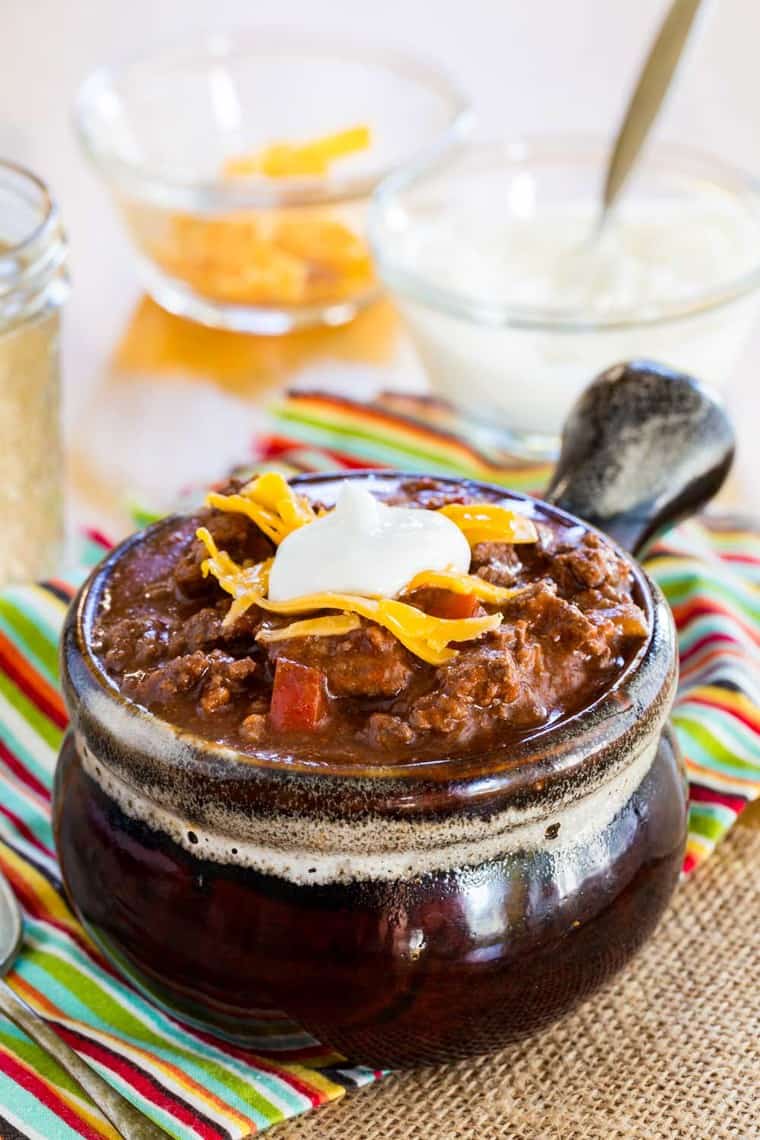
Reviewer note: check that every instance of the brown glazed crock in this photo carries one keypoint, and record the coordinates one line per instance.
(405, 914)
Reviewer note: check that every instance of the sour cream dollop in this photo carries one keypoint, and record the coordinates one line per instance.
(365, 547)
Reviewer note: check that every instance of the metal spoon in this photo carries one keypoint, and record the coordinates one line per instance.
(651, 88)
(129, 1122)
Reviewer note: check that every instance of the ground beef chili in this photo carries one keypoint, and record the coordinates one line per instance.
(564, 638)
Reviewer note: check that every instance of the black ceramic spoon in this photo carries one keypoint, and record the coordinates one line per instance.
(642, 448)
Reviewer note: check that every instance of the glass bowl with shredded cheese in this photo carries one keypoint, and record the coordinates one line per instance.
(242, 167)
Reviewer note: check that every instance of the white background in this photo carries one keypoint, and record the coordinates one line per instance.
(529, 65)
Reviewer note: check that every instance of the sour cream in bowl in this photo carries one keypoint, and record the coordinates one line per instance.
(513, 304)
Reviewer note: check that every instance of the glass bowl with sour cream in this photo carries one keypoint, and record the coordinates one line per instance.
(514, 300)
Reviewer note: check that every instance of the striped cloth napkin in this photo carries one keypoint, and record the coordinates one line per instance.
(194, 1085)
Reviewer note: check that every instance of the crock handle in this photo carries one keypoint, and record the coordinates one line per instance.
(642, 448)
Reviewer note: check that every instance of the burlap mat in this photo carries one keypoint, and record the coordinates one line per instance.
(671, 1050)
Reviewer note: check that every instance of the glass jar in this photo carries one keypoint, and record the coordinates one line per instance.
(33, 286)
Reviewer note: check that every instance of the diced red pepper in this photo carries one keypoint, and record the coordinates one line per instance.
(448, 604)
(298, 697)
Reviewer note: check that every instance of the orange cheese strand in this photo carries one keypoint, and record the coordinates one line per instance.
(288, 160)
(461, 584)
(270, 502)
(239, 581)
(423, 634)
(330, 626)
(488, 522)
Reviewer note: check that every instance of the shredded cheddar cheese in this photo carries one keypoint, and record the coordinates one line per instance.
(461, 584)
(270, 502)
(289, 160)
(488, 522)
(423, 634)
(294, 255)
(329, 626)
(244, 583)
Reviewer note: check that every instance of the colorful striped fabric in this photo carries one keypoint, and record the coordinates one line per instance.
(191, 1084)
(320, 431)
(710, 573)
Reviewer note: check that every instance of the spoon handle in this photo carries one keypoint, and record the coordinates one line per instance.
(129, 1122)
(652, 87)
(643, 447)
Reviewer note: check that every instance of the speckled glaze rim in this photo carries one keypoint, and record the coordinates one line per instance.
(559, 763)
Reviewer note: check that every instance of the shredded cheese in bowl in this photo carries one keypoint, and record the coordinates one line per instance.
(294, 255)
(287, 159)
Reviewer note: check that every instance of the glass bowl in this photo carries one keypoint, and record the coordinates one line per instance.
(515, 303)
(250, 252)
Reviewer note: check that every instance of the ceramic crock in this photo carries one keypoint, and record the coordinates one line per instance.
(404, 914)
